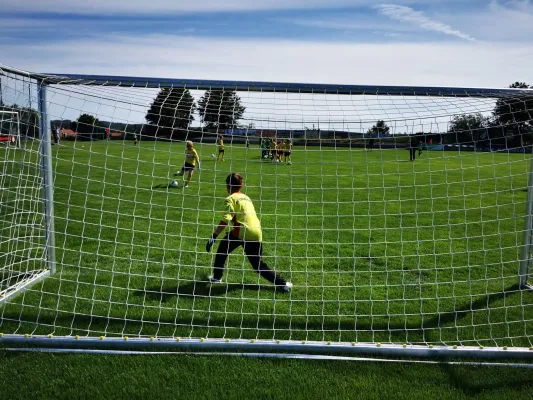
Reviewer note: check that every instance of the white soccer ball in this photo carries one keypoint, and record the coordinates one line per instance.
(212, 155)
(174, 184)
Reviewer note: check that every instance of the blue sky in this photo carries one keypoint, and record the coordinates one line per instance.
(411, 42)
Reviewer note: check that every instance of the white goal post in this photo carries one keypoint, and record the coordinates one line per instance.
(402, 216)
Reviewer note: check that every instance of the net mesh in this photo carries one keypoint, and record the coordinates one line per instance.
(379, 248)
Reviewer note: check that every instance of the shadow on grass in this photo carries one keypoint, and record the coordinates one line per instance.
(161, 186)
(463, 381)
(198, 288)
(184, 316)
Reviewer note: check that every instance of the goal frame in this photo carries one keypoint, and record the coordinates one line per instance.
(288, 346)
(45, 153)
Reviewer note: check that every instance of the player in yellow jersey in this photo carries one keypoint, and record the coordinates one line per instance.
(191, 159)
(288, 151)
(220, 145)
(279, 151)
(273, 149)
(246, 232)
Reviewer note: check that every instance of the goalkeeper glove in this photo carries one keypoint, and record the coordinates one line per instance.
(210, 243)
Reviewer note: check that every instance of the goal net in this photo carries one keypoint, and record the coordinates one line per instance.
(9, 128)
(402, 216)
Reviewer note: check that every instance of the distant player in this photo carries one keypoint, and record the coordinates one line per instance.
(370, 144)
(55, 130)
(135, 140)
(287, 151)
(419, 148)
(412, 148)
(191, 159)
(273, 149)
(279, 150)
(266, 143)
(220, 145)
(246, 232)
(247, 143)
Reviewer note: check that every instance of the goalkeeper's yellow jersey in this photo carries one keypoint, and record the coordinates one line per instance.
(220, 144)
(241, 212)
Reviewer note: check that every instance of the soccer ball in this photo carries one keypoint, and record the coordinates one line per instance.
(213, 156)
(174, 184)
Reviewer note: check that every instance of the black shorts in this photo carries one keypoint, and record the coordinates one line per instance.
(220, 151)
(287, 153)
(188, 167)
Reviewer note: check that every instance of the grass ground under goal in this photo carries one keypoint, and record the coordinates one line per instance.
(379, 249)
(46, 376)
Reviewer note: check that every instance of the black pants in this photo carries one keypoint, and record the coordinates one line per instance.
(254, 252)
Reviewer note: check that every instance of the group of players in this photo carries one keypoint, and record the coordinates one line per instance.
(276, 150)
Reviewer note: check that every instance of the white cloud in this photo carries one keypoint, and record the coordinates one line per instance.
(418, 18)
(470, 64)
(436, 63)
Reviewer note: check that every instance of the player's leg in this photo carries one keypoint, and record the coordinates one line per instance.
(226, 246)
(254, 252)
(223, 152)
(189, 176)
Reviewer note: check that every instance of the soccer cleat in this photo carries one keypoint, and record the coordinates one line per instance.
(212, 279)
(287, 287)
(289, 163)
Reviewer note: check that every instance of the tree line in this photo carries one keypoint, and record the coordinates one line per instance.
(174, 109)
(510, 124)
(172, 112)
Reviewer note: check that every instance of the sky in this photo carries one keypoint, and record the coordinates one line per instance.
(472, 43)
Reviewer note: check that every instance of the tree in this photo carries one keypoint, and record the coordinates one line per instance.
(220, 109)
(89, 127)
(519, 85)
(86, 123)
(172, 110)
(468, 128)
(516, 112)
(379, 128)
(514, 116)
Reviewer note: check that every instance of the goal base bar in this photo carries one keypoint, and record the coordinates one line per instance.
(21, 286)
(265, 346)
(314, 357)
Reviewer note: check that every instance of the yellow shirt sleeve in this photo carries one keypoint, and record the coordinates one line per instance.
(230, 210)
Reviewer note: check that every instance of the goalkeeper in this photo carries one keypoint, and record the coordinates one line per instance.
(246, 232)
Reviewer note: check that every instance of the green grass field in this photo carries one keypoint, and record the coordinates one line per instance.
(379, 249)
(77, 376)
